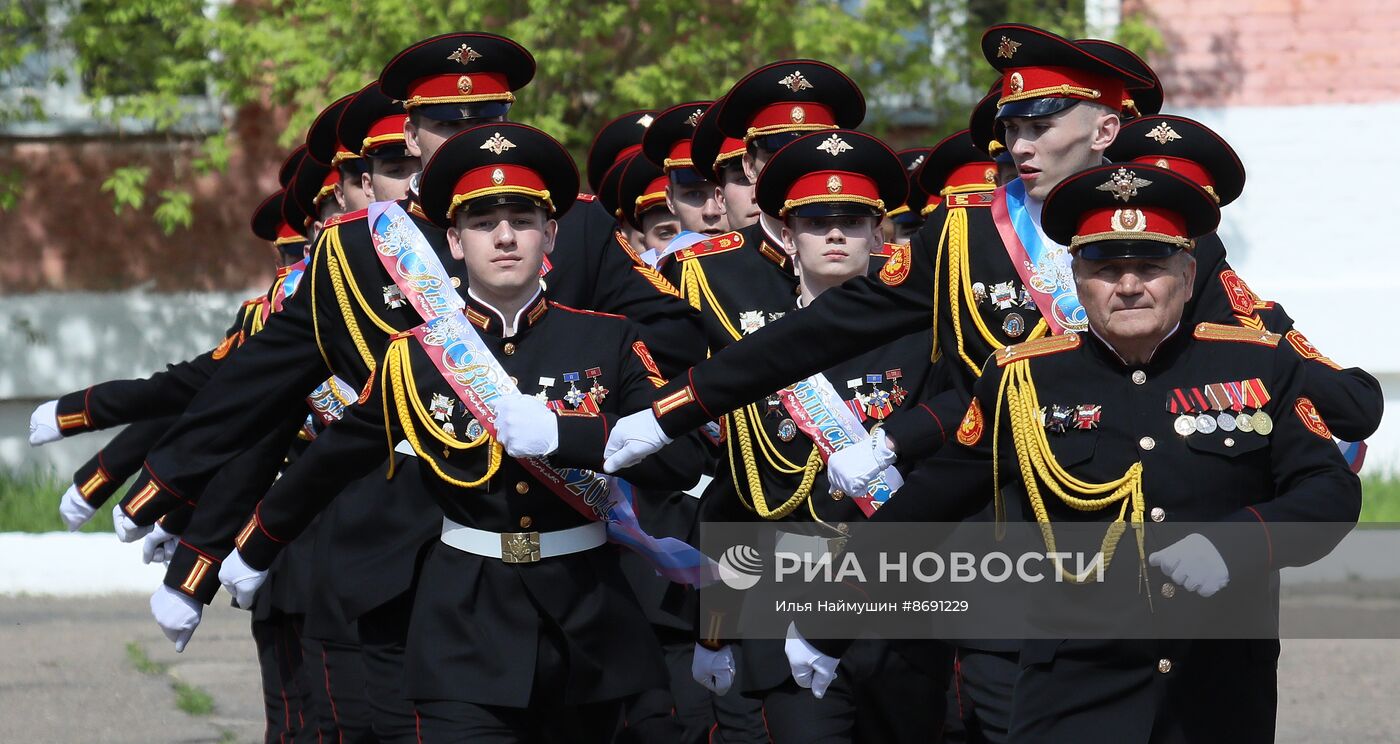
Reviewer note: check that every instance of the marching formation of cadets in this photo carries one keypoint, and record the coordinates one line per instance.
(401, 527)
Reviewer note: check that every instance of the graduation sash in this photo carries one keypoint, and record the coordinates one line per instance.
(821, 415)
(289, 283)
(1044, 269)
(478, 379)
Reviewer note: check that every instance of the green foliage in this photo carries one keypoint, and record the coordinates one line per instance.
(1380, 495)
(176, 210)
(140, 661)
(29, 503)
(191, 699)
(11, 188)
(127, 185)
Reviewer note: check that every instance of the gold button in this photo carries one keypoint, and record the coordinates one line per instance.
(1168, 590)
(1139, 377)
(1164, 665)
(838, 494)
(509, 349)
(1159, 514)
(456, 282)
(522, 487)
(525, 523)
(514, 381)
(1147, 443)
(1229, 441)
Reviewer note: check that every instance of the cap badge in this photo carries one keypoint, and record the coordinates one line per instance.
(1163, 164)
(464, 85)
(989, 175)
(1128, 220)
(1124, 184)
(834, 146)
(1018, 83)
(1163, 133)
(1007, 48)
(795, 82)
(694, 119)
(464, 55)
(915, 165)
(498, 176)
(797, 114)
(833, 184)
(497, 144)
(646, 120)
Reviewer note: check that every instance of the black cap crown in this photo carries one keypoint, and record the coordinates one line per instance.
(836, 172)
(498, 163)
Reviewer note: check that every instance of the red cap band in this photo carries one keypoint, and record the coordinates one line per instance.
(458, 88)
(791, 117)
(1025, 83)
(1130, 220)
(833, 186)
(972, 174)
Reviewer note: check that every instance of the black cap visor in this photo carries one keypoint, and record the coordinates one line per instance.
(464, 111)
(1108, 250)
(1032, 108)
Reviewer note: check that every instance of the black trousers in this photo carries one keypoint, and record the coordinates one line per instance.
(687, 712)
(383, 634)
(979, 700)
(334, 675)
(286, 706)
(544, 721)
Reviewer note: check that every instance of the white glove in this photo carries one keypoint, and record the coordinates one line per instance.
(240, 580)
(176, 614)
(43, 424)
(159, 546)
(853, 469)
(714, 670)
(1193, 563)
(526, 427)
(634, 438)
(810, 667)
(74, 509)
(127, 530)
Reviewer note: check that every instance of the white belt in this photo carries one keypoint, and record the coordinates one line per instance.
(523, 547)
(810, 547)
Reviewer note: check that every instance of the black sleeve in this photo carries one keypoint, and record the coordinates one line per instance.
(922, 429)
(858, 316)
(99, 478)
(1349, 398)
(118, 402)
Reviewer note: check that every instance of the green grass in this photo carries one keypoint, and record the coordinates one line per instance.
(188, 698)
(29, 503)
(227, 736)
(1380, 495)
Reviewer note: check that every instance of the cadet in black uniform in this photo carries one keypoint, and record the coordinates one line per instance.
(1132, 230)
(514, 633)
(719, 159)
(829, 191)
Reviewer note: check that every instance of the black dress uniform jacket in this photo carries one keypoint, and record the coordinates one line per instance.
(100, 477)
(1130, 691)
(477, 620)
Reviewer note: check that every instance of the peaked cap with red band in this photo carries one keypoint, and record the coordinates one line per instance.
(641, 189)
(799, 95)
(323, 138)
(836, 172)
(667, 140)
(1044, 73)
(1128, 211)
(955, 162)
(288, 168)
(1141, 101)
(372, 124)
(710, 149)
(459, 76)
(617, 140)
(913, 207)
(269, 223)
(987, 133)
(498, 163)
(313, 183)
(611, 181)
(1185, 146)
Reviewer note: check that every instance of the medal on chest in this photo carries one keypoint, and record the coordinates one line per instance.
(1221, 406)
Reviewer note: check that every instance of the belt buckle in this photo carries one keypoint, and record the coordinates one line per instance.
(520, 547)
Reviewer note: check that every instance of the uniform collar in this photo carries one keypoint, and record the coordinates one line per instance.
(1162, 354)
(770, 246)
(489, 320)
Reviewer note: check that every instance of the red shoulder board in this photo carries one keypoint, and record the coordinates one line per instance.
(1306, 350)
(358, 214)
(1218, 332)
(587, 197)
(1237, 292)
(1039, 347)
(586, 312)
(973, 199)
(718, 244)
(884, 251)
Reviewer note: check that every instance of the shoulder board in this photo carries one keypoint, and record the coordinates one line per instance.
(358, 214)
(1218, 332)
(260, 299)
(587, 197)
(973, 199)
(718, 244)
(884, 251)
(1039, 347)
(558, 306)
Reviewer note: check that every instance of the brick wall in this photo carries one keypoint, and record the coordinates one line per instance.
(1276, 52)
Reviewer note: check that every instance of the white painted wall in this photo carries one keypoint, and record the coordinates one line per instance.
(1314, 230)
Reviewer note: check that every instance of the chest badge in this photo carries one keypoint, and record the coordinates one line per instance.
(750, 321)
(393, 297)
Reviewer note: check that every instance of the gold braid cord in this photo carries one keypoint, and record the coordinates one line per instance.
(1038, 466)
(743, 431)
(339, 270)
(960, 285)
(412, 416)
(695, 286)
